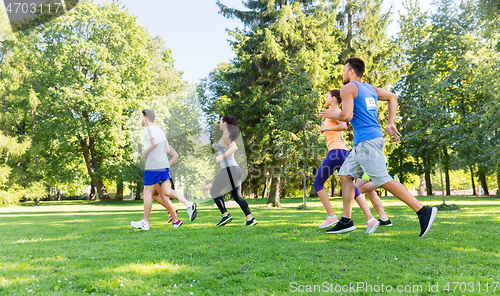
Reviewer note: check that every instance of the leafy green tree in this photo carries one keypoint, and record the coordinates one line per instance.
(446, 99)
(488, 12)
(430, 89)
(81, 76)
(286, 49)
(278, 36)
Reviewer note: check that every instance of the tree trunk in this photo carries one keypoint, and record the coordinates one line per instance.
(428, 183)
(333, 182)
(304, 196)
(274, 196)
(421, 188)
(447, 170)
(103, 193)
(482, 178)
(266, 187)
(282, 191)
(498, 182)
(59, 195)
(93, 192)
(88, 162)
(119, 190)
(427, 175)
(138, 191)
(473, 183)
(91, 161)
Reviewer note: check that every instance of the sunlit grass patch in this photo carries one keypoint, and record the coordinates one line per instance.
(77, 249)
(151, 268)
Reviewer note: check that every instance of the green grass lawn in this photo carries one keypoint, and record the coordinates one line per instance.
(77, 248)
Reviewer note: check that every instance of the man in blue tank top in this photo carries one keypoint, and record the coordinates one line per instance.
(359, 106)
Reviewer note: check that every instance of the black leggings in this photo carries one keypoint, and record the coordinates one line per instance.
(230, 176)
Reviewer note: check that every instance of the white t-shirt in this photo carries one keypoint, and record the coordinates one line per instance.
(156, 159)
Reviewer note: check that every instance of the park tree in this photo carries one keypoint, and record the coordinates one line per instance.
(435, 46)
(486, 61)
(414, 91)
(288, 51)
(487, 10)
(446, 102)
(17, 120)
(80, 77)
(279, 38)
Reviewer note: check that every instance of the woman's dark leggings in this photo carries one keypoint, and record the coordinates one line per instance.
(230, 176)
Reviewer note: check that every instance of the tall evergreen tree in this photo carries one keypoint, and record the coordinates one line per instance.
(288, 50)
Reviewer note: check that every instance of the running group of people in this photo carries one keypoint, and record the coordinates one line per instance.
(158, 183)
(366, 163)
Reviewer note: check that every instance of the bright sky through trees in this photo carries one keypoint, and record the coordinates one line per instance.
(195, 31)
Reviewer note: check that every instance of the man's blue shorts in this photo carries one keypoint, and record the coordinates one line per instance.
(156, 176)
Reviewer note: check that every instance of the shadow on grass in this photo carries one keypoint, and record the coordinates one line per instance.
(252, 201)
(101, 203)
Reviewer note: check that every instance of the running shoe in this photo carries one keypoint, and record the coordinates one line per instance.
(372, 225)
(426, 220)
(140, 225)
(251, 222)
(170, 217)
(177, 224)
(385, 223)
(191, 209)
(330, 221)
(342, 227)
(225, 220)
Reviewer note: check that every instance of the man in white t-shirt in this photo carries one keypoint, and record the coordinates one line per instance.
(157, 171)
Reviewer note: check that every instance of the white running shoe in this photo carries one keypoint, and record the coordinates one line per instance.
(191, 209)
(140, 225)
(329, 221)
(372, 225)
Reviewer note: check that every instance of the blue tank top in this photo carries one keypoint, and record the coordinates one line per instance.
(364, 116)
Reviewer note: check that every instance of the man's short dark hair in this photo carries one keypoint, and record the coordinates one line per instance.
(357, 65)
(150, 115)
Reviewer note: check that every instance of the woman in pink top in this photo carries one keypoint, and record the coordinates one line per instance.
(337, 153)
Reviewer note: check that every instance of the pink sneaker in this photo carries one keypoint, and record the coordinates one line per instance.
(177, 224)
(329, 221)
(170, 217)
(372, 225)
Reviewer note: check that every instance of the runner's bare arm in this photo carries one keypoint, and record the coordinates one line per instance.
(232, 148)
(392, 99)
(348, 92)
(174, 155)
(342, 126)
(154, 144)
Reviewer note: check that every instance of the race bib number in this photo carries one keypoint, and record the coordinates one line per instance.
(371, 104)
